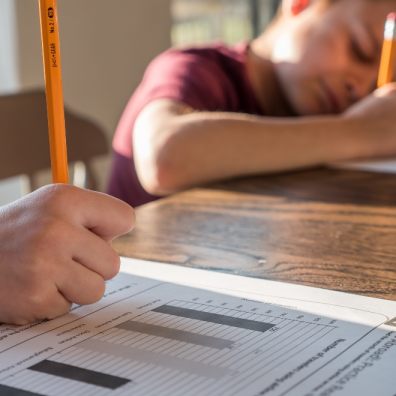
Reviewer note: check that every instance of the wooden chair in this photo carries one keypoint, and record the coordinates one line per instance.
(24, 145)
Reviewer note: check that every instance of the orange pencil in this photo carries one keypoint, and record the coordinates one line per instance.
(385, 75)
(54, 91)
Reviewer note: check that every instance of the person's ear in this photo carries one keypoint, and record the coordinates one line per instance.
(295, 7)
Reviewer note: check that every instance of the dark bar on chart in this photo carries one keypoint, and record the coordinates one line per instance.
(8, 391)
(175, 334)
(79, 374)
(214, 318)
(391, 322)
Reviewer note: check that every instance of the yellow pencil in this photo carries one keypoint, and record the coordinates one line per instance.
(385, 75)
(54, 92)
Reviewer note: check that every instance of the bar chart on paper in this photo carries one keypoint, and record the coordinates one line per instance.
(200, 343)
(173, 348)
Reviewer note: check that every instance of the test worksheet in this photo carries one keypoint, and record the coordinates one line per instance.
(167, 330)
(376, 166)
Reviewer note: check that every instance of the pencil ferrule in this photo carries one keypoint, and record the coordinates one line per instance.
(390, 30)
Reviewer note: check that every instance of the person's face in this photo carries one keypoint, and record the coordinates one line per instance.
(327, 56)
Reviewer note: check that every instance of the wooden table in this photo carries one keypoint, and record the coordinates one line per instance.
(327, 228)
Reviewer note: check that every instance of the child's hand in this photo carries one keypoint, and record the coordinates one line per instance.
(380, 104)
(55, 250)
(373, 122)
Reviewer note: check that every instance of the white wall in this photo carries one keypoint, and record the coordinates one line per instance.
(9, 189)
(106, 45)
(8, 50)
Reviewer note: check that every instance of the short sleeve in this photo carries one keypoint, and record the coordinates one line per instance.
(193, 77)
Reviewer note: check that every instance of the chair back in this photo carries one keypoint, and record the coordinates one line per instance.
(24, 147)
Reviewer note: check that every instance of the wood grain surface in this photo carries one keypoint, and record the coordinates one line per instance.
(326, 228)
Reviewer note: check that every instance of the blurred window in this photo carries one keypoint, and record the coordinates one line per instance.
(202, 21)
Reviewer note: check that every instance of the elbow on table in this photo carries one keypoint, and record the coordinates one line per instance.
(162, 175)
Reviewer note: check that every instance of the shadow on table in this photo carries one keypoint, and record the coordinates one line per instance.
(321, 184)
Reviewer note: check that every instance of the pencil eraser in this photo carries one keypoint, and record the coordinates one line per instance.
(391, 17)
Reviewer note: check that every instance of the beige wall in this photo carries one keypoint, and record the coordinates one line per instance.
(106, 45)
(8, 65)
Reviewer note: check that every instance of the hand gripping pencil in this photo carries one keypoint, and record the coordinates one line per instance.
(388, 51)
(54, 91)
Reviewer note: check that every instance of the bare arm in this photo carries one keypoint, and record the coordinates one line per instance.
(176, 148)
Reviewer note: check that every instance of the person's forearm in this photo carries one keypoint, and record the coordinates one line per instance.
(203, 147)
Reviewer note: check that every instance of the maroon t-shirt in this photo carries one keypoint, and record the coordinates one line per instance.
(210, 78)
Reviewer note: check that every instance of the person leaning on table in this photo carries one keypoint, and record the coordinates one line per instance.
(301, 94)
(55, 250)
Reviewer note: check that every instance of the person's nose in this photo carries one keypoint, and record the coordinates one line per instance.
(351, 92)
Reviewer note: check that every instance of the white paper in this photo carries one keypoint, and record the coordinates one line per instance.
(378, 166)
(167, 330)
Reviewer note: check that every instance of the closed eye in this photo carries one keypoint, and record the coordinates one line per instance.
(361, 54)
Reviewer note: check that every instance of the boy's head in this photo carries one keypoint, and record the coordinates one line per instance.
(326, 52)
